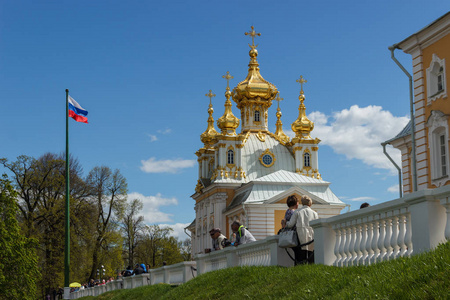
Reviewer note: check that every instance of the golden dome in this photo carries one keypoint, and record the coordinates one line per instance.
(228, 122)
(254, 86)
(208, 137)
(302, 126)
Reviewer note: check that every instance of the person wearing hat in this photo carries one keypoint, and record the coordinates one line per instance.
(217, 238)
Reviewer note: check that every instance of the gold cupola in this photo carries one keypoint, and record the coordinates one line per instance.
(254, 87)
(302, 126)
(228, 122)
(279, 131)
(208, 137)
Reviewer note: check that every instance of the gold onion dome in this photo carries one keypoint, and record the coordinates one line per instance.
(279, 125)
(228, 122)
(302, 126)
(208, 137)
(254, 86)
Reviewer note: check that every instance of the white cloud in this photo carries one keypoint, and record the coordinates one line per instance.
(166, 166)
(165, 131)
(178, 230)
(358, 132)
(151, 210)
(153, 138)
(393, 189)
(362, 199)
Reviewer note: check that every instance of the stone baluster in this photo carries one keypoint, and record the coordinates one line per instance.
(369, 249)
(394, 238)
(337, 245)
(408, 236)
(351, 245)
(381, 238)
(387, 239)
(348, 234)
(344, 241)
(375, 240)
(357, 249)
(401, 235)
(362, 245)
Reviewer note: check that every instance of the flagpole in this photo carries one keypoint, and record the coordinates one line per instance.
(67, 225)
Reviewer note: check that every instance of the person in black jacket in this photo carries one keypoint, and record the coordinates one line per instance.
(138, 270)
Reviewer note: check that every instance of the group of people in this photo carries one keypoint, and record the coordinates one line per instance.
(240, 236)
(138, 269)
(295, 216)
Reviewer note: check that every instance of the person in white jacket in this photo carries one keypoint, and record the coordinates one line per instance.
(301, 218)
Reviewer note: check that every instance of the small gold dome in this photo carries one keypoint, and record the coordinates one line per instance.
(254, 86)
(302, 126)
(228, 122)
(208, 137)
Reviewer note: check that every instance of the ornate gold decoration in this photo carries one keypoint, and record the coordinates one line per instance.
(222, 145)
(261, 136)
(254, 87)
(302, 126)
(279, 131)
(269, 153)
(228, 122)
(314, 148)
(199, 186)
(239, 146)
(297, 149)
(209, 136)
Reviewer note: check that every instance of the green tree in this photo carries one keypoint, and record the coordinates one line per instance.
(109, 190)
(18, 262)
(132, 226)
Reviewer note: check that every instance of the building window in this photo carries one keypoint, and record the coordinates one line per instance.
(230, 159)
(257, 116)
(436, 84)
(438, 132)
(443, 155)
(306, 160)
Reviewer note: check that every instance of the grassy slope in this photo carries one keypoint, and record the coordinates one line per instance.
(424, 276)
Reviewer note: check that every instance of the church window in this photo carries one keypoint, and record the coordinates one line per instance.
(436, 84)
(267, 158)
(306, 159)
(438, 144)
(257, 116)
(230, 159)
(443, 157)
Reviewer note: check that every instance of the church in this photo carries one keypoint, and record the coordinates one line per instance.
(248, 176)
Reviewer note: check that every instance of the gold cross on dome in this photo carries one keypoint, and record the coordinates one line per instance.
(253, 33)
(278, 99)
(228, 77)
(210, 95)
(301, 80)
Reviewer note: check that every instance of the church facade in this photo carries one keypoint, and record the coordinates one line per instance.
(248, 176)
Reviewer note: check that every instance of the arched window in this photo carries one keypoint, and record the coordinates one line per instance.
(306, 160)
(436, 83)
(256, 115)
(230, 159)
(438, 131)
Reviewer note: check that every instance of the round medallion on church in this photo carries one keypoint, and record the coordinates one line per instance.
(267, 158)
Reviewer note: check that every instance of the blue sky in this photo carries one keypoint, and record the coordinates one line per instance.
(142, 69)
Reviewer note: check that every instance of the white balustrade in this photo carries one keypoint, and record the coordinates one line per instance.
(417, 222)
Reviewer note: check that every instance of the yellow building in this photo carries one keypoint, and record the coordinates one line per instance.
(430, 51)
(247, 176)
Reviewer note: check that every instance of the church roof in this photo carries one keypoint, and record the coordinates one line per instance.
(253, 149)
(272, 187)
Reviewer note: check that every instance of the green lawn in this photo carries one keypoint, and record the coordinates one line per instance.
(424, 276)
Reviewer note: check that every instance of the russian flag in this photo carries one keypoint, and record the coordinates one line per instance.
(76, 112)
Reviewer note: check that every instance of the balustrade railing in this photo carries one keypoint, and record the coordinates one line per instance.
(414, 223)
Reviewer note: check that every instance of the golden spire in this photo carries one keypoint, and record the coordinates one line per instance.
(228, 122)
(254, 87)
(302, 126)
(210, 133)
(279, 132)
